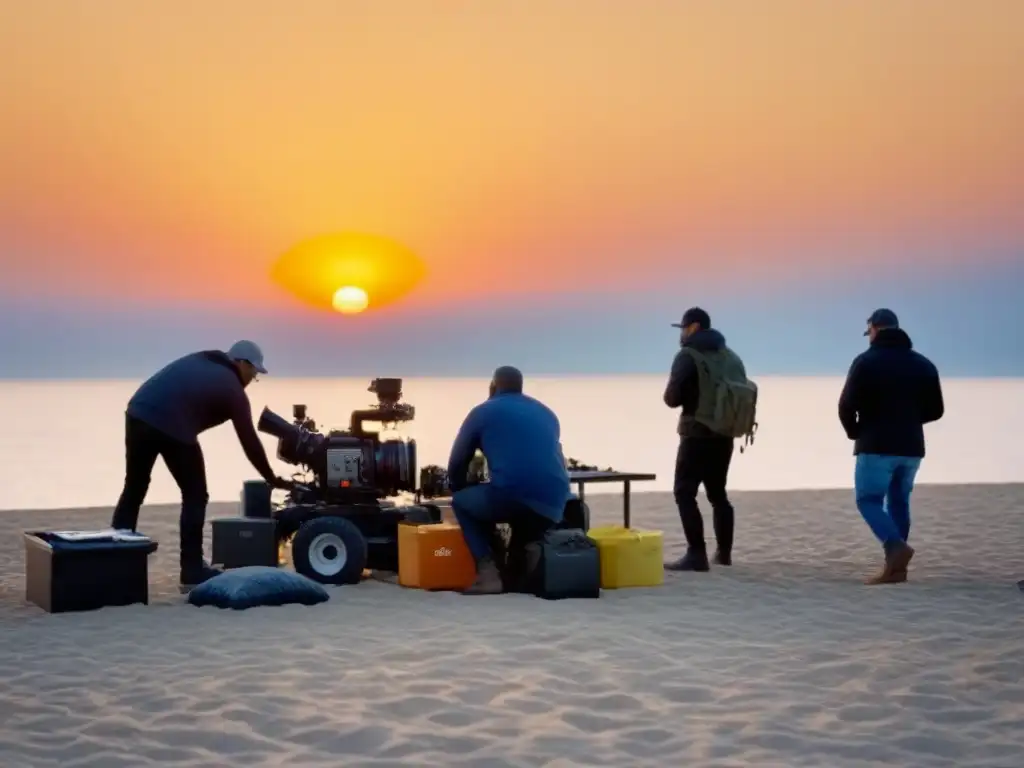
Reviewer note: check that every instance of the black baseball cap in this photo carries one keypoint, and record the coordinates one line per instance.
(694, 315)
(883, 318)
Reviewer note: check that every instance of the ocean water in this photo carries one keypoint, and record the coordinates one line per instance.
(62, 443)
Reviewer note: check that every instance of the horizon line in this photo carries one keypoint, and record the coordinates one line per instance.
(173, 505)
(471, 377)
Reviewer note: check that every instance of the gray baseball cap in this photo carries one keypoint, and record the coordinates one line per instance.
(250, 352)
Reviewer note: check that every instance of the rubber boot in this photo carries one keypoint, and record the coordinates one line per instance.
(691, 561)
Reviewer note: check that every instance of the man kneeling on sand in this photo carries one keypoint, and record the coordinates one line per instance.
(521, 439)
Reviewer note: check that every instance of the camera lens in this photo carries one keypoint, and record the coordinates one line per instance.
(395, 466)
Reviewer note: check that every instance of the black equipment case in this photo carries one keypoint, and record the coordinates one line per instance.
(563, 563)
(81, 575)
(242, 541)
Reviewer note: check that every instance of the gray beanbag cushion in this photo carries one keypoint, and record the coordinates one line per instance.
(257, 585)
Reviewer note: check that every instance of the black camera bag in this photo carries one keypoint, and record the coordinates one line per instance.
(563, 563)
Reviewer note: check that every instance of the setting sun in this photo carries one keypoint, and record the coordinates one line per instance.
(350, 300)
(349, 272)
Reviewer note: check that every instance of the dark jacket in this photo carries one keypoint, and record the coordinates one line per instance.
(683, 388)
(193, 394)
(890, 392)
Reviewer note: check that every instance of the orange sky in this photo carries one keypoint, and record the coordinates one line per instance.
(178, 148)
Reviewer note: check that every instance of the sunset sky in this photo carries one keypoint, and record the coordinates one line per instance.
(573, 174)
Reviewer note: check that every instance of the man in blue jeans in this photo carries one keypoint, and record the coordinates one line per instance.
(521, 439)
(891, 391)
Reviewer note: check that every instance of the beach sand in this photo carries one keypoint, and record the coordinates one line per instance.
(785, 659)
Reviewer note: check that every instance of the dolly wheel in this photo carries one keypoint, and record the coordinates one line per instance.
(330, 550)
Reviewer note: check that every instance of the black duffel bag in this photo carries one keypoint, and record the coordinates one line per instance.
(563, 563)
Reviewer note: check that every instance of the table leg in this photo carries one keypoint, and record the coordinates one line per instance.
(625, 503)
(579, 491)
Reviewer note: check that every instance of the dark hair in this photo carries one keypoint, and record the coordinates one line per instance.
(508, 379)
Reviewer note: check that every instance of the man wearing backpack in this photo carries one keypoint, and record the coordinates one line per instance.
(709, 382)
(891, 391)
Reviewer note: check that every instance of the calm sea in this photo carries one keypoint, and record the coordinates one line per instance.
(61, 443)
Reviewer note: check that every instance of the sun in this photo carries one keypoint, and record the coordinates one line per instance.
(350, 300)
(348, 272)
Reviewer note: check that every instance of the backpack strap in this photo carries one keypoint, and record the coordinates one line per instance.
(748, 439)
(699, 360)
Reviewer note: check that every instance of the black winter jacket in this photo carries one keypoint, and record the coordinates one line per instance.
(890, 392)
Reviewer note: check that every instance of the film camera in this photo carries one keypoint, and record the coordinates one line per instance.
(340, 521)
(352, 465)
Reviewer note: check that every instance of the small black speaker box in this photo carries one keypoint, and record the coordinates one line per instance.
(242, 541)
(255, 499)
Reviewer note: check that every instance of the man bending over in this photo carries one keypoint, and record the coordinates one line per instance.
(521, 439)
(165, 417)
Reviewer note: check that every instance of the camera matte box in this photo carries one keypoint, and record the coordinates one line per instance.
(62, 576)
(243, 541)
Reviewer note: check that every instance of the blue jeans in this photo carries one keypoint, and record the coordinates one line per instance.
(883, 487)
(479, 507)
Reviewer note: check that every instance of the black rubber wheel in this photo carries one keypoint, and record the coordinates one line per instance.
(576, 515)
(330, 550)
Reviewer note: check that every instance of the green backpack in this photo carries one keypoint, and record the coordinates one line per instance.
(728, 399)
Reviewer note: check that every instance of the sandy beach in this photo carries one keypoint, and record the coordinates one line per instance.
(785, 659)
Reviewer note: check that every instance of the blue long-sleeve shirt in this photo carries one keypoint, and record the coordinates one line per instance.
(521, 440)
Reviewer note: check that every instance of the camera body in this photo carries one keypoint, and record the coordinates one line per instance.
(353, 466)
(341, 522)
